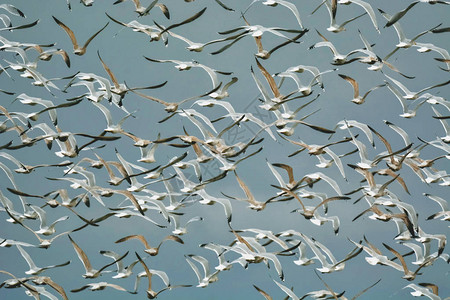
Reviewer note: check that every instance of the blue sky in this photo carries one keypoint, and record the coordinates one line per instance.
(123, 49)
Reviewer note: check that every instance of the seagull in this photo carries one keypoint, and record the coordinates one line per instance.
(36, 291)
(44, 228)
(99, 286)
(394, 165)
(257, 31)
(403, 42)
(365, 163)
(186, 65)
(334, 27)
(90, 272)
(409, 275)
(327, 267)
(376, 256)
(173, 106)
(250, 198)
(12, 10)
(43, 243)
(121, 89)
(87, 2)
(220, 252)
(421, 255)
(318, 150)
(174, 204)
(289, 292)
(34, 116)
(407, 112)
(110, 126)
(426, 237)
(397, 16)
(434, 175)
(311, 69)
(122, 271)
(367, 7)
(404, 135)
(151, 294)
(45, 280)
(379, 215)
(357, 99)
(153, 251)
(7, 44)
(32, 101)
(14, 282)
(338, 59)
(304, 89)
(191, 114)
(427, 47)
(414, 95)
(208, 277)
(373, 190)
(210, 200)
(198, 47)
(374, 61)
(316, 176)
(39, 79)
(264, 54)
(267, 234)
(310, 213)
(151, 31)
(302, 260)
(422, 290)
(278, 97)
(6, 20)
(9, 243)
(143, 11)
(255, 254)
(48, 54)
(292, 183)
(446, 138)
(93, 95)
(336, 296)
(186, 21)
(444, 213)
(27, 211)
(160, 274)
(17, 282)
(26, 169)
(273, 3)
(35, 270)
(426, 163)
(362, 126)
(181, 230)
(127, 213)
(148, 153)
(226, 165)
(26, 63)
(408, 209)
(77, 50)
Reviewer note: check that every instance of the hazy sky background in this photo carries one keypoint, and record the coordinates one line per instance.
(123, 51)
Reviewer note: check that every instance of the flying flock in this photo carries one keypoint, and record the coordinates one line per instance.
(94, 186)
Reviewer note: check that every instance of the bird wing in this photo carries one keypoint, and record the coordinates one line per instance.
(94, 35)
(81, 255)
(68, 31)
(135, 236)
